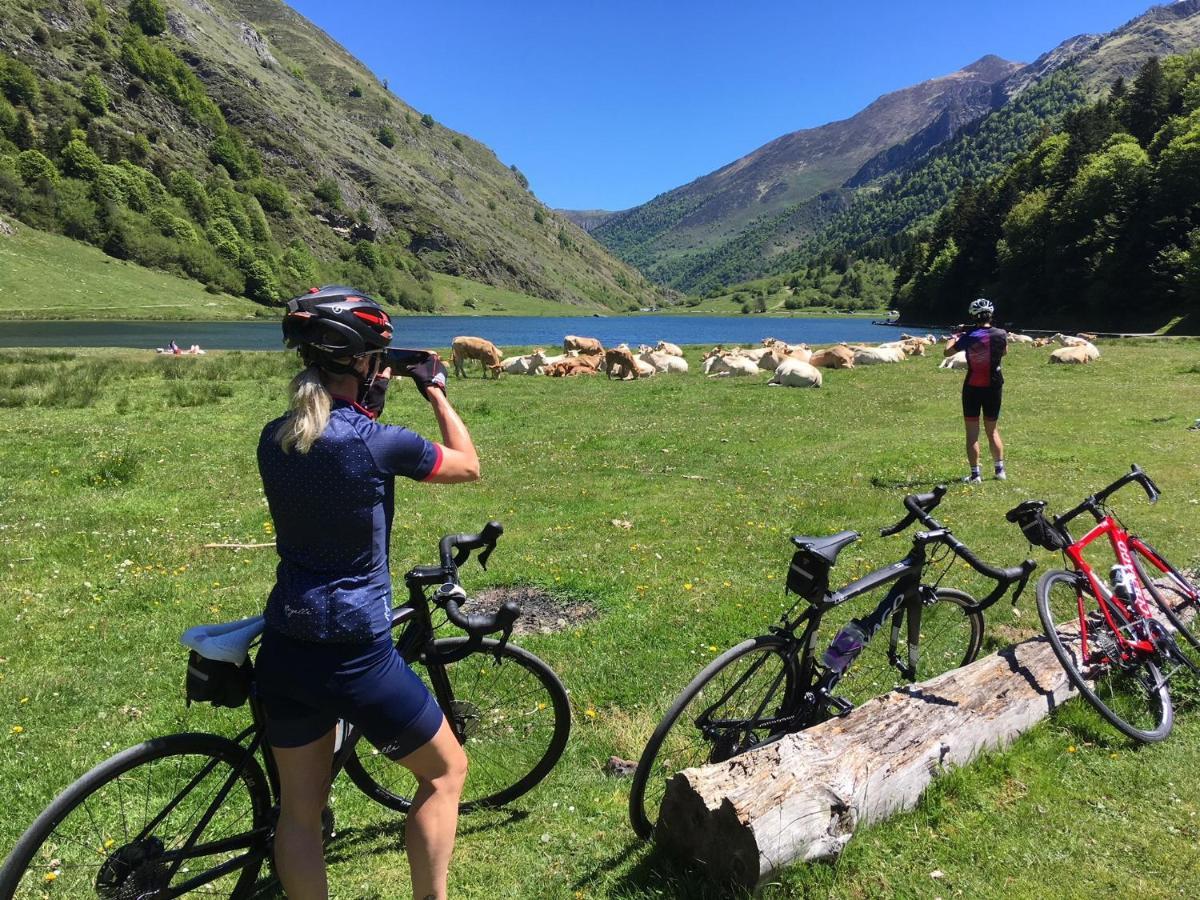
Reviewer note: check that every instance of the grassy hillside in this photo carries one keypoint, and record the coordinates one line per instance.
(45, 276)
(236, 144)
(116, 468)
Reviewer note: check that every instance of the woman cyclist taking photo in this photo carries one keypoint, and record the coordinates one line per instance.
(328, 469)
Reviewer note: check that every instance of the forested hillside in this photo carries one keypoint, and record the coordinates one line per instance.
(1098, 226)
(232, 142)
(870, 211)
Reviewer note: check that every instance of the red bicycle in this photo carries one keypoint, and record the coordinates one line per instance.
(1115, 649)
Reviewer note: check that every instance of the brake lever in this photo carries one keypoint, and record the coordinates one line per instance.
(1029, 565)
(508, 613)
(484, 554)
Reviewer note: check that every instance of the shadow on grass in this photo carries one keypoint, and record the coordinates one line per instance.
(655, 874)
(353, 841)
(350, 841)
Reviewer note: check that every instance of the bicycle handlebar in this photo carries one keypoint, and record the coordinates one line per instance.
(465, 543)
(1092, 503)
(919, 507)
(454, 550)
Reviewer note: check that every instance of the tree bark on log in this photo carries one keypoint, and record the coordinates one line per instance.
(802, 797)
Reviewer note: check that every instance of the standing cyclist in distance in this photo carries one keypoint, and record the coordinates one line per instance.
(984, 346)
(328, 470)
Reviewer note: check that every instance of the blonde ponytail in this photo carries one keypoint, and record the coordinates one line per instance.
(308, 413)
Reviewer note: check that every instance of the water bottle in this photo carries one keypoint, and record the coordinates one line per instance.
(1122, 582)
(845, 647)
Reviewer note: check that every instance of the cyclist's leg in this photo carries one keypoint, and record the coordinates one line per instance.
(991, 424)
(971, 408)
(440, 767)
(304, 775)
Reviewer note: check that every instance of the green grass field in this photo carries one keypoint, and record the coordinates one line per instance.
(116, 468)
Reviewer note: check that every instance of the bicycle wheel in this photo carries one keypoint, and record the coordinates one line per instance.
(176, 815)
(733, 704)
(1131, 694)
(949, 635)
(512, 718)
(1187, 645)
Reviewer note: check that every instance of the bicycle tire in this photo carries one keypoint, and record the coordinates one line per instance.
(1121, 692)
(1187, 645)
(512, 743)
(693, 748)
(951, 635)
(77, 855)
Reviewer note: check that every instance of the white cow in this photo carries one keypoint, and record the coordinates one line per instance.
(1014, 338)
(873, 356)
(665, 347)
(723, 366)
(794, 373)
(519, 365)
(954, 361)
(1072, 355)
(662, 362)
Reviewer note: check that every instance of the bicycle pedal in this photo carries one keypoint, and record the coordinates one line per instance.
(838, 706)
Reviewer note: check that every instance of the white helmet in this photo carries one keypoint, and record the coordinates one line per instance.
(981, 308)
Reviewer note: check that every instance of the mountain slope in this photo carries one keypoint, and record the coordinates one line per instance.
(257, 103)
(794, 168)
(908, 182)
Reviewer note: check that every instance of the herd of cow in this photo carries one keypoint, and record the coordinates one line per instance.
(791, 365)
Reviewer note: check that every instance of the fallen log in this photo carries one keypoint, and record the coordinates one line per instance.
(802, 797)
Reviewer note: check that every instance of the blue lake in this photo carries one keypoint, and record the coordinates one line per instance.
(438, 331)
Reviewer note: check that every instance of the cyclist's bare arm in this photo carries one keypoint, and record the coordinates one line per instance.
(460, 462)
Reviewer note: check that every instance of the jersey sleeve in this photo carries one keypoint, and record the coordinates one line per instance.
(398, 451)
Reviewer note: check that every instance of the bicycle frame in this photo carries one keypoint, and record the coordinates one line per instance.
(1138, 609)
(804, 701)
(415, 641)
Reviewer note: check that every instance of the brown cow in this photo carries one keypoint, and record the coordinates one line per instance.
(582, 344)
(464, 348)
(584, 364)
(619, 363)
(833, 358)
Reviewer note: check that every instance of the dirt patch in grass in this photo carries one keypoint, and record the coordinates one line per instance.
(541, 611)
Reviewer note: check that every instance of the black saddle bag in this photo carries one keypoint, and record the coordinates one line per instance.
(808, 575)
(1030, 517)
(216, 682)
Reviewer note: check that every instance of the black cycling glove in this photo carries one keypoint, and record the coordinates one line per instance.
(427, 374)
(374, 395)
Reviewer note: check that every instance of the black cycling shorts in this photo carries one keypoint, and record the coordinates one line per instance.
(306, 687)
(987, 399)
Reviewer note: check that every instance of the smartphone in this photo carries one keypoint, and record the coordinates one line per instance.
(402, 359)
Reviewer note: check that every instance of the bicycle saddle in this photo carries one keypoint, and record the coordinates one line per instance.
(226, 642)
(827, 547)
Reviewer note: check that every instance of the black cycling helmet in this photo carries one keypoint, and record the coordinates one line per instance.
(335, 322)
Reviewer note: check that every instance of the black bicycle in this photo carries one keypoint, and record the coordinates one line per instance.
(195, 812)
(775, 684)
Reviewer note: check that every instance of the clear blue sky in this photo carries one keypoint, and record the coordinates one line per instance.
(603, 105)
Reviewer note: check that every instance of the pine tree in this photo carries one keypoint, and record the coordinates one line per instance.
(1148, 103)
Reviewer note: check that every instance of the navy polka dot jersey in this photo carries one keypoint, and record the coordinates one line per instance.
(333, 511)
